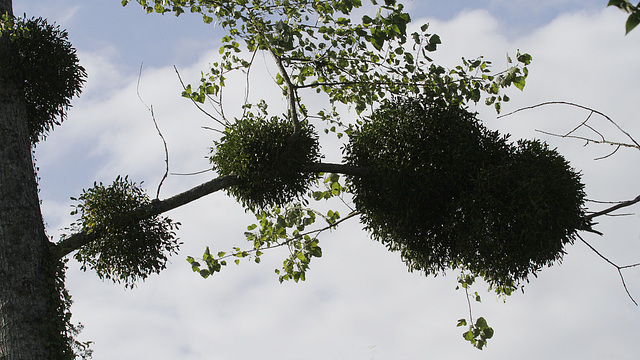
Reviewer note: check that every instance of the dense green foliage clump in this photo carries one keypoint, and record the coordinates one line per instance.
(129, 247)
(47, 67)
(268, 158)
(449, 193)
(60, 331)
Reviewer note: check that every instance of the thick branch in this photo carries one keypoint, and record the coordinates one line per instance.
(338, 169)
(156, 207)
(614, 208)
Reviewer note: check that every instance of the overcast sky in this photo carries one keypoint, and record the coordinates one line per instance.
(359, 301)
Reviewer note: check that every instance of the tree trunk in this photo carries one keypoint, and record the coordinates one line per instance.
(23, 244)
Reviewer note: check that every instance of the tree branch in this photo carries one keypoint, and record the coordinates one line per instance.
(613, 208)
(338, 169)
(198, 106)
(291, 92)
(317, 232)
(156, 207)
(164, 142)
(592, 111)
(619, 268)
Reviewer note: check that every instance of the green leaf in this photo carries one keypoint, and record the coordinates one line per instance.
(525, 59)
(434, 41)
(519, 82)
(481, 323)
(468, 335)
(205, 273)
(632, 22)
(488, 333)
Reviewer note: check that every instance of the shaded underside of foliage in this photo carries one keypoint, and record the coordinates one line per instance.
(448, 193)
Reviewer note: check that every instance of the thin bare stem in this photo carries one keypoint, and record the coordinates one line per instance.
(593, 111)
(619, 268)
(247, 85)
(166, 153)
(192, 173)
(466, 292)
(164, 142)
(589, 140)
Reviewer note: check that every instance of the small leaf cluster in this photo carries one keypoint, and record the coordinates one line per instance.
(61, 333)
(468, 81)
(633, 10)
(449, 193)
(276, 227)
(478, 333)
(333, 187)
(47, 67)
(129, 247)
(268, 158)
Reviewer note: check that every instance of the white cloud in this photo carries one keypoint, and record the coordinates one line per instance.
(359, 302)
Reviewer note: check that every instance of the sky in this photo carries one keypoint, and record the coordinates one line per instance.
(359, 301)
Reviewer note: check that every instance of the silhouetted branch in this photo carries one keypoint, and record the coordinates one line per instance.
(164, 142)
(157, 207)
(619, 268)
(288, 241)
(602, 140)
(620, 205)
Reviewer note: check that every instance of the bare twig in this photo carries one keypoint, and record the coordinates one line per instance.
(192, 173)
(634, 143)
(589, 140)
(166, 154)
(619, 268)
(164, 142)
(611, 153)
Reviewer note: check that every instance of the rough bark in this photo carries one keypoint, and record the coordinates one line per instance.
(23, 244)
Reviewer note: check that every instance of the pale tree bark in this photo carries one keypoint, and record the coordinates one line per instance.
(23, 243)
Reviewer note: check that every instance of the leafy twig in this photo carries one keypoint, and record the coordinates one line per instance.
(292, 239)
(198, 106)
